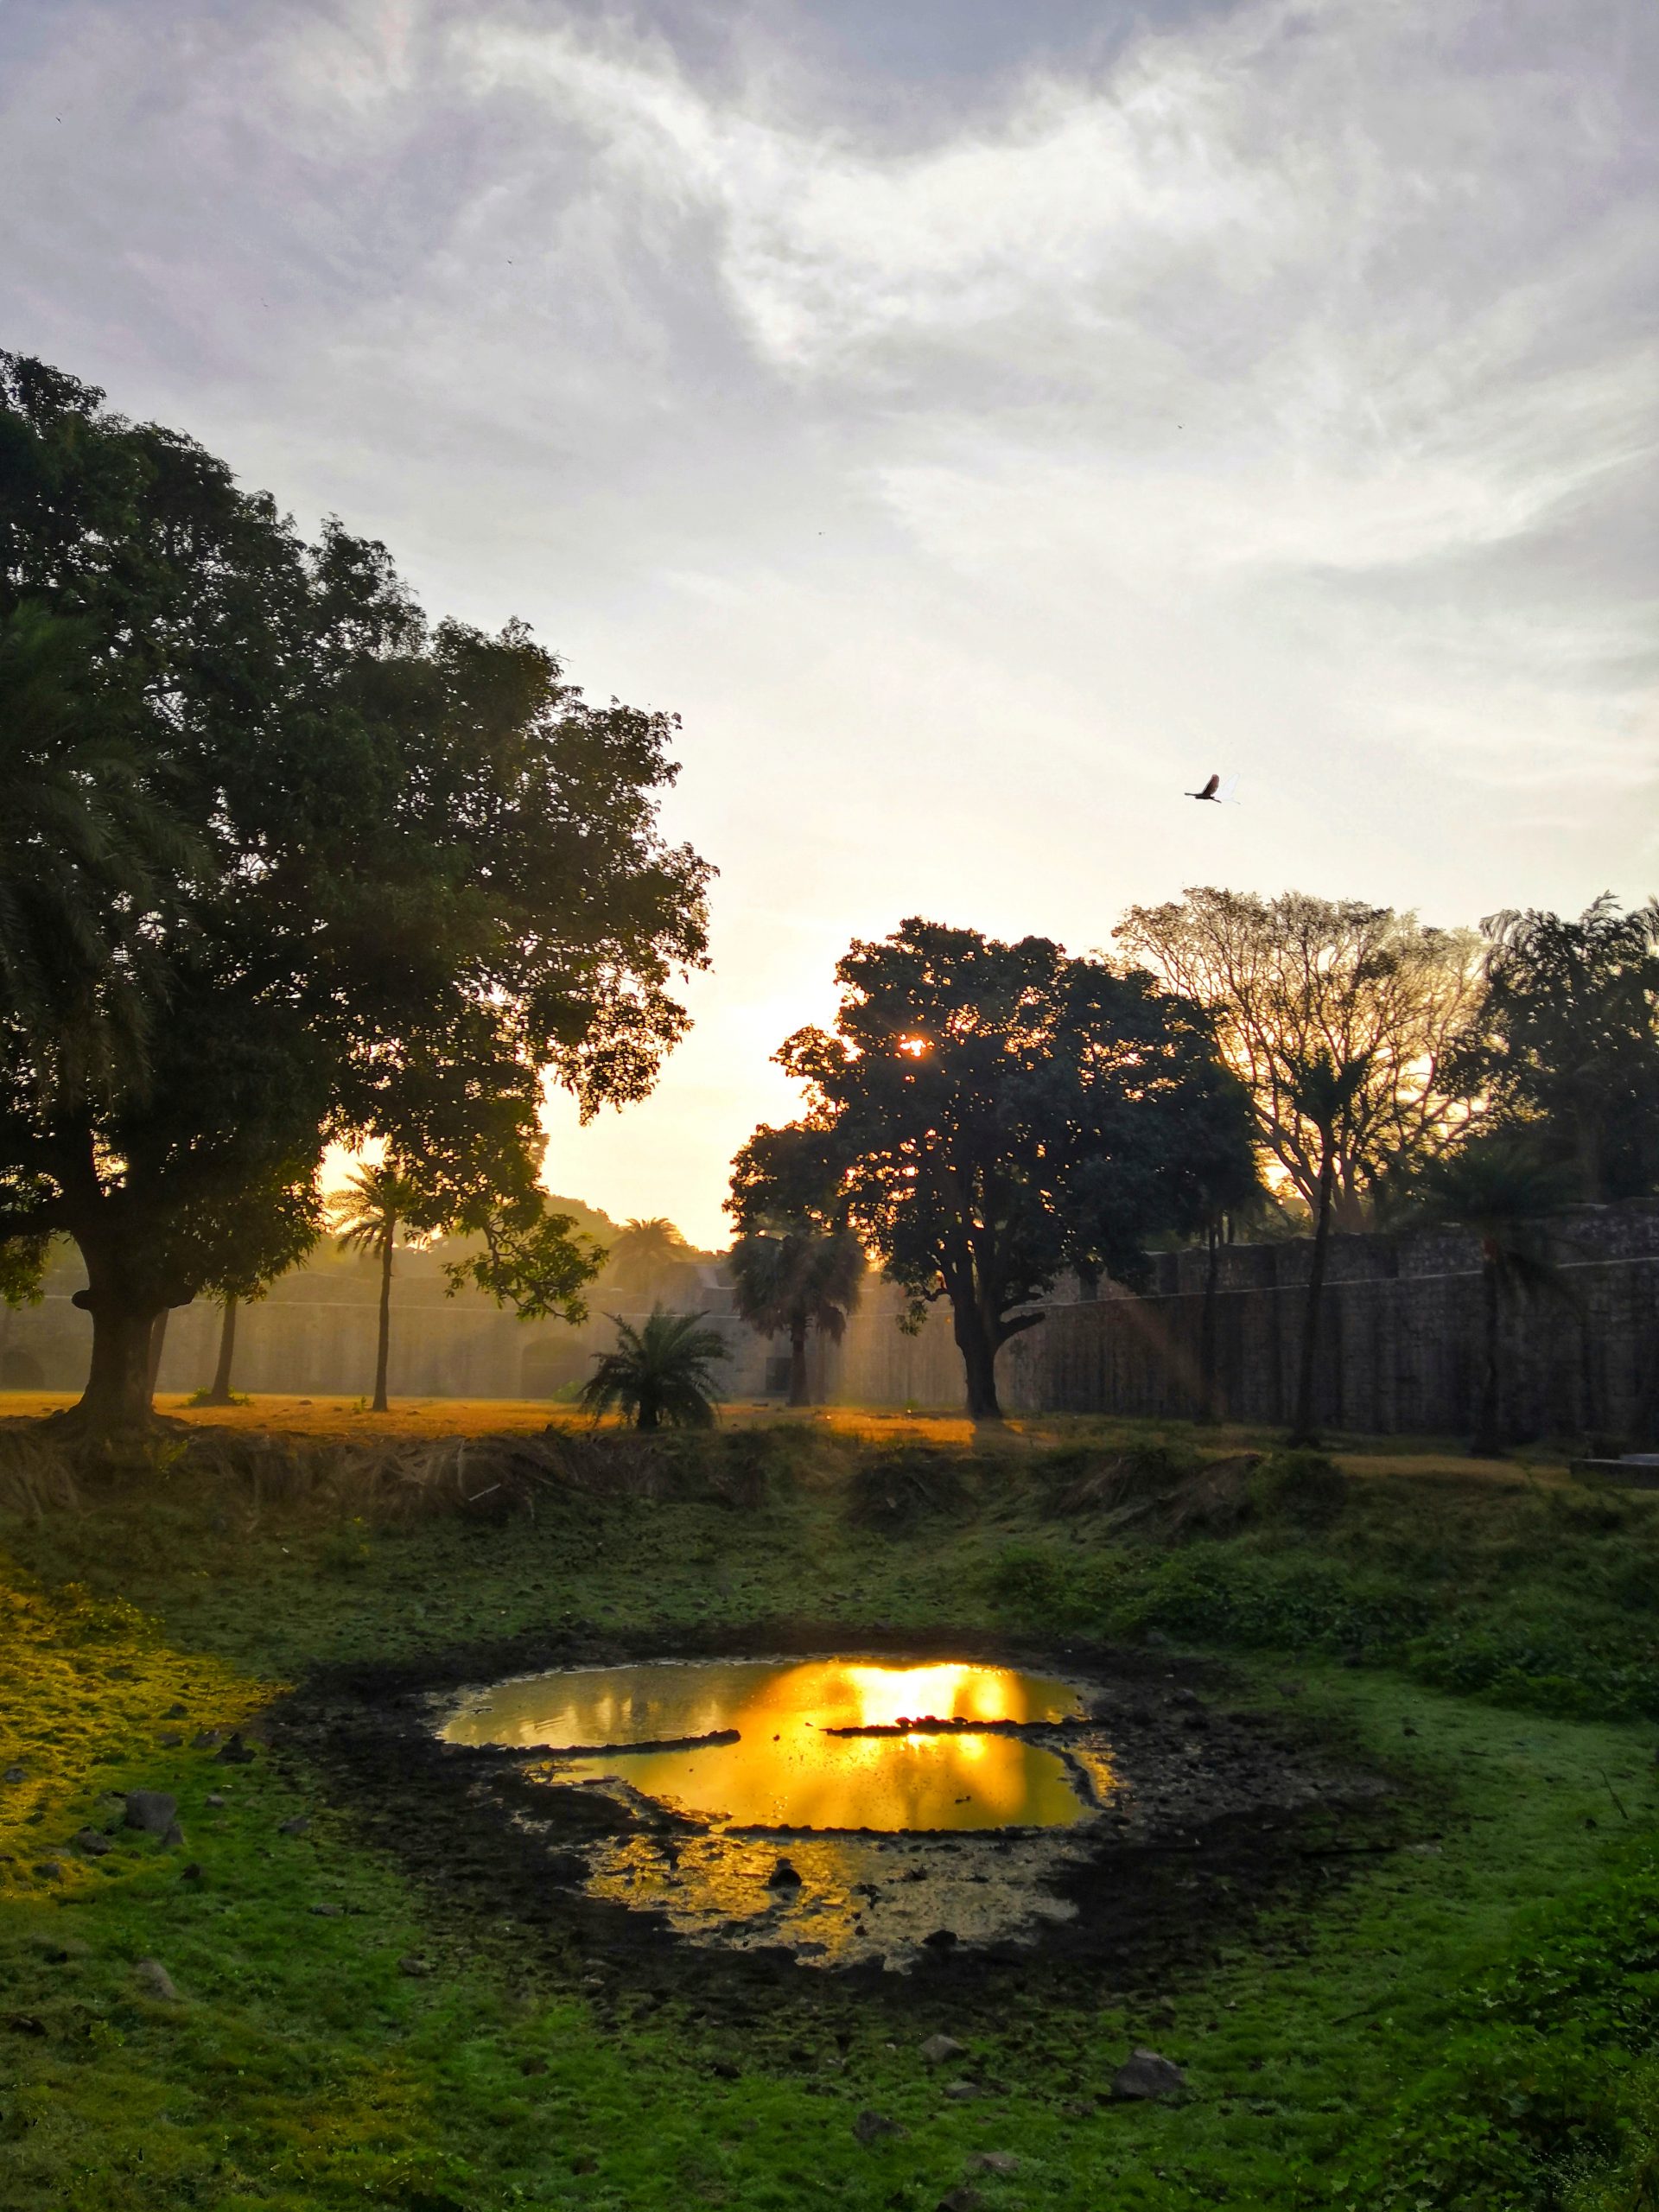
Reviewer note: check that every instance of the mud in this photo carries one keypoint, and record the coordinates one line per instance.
(1207, 1812)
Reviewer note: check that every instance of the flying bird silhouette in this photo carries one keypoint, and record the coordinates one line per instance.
(1209, 790)
(1219, 793)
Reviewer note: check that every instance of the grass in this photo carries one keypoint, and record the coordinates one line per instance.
(1464, 2023)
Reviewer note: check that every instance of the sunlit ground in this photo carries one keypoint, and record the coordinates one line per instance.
(342, 1418)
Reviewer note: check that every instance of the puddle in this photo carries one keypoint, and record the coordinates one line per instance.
(848, 1808)
(793, 1750)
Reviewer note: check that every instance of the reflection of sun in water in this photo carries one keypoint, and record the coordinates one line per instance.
(789, 1769)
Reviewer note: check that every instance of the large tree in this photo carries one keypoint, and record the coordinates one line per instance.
(410, 876)
(1567, 1050)
(1294, 981)
(996, 1114)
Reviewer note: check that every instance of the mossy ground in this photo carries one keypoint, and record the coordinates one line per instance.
(1467, 2022)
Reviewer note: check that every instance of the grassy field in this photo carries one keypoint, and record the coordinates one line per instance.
(1468, 2021)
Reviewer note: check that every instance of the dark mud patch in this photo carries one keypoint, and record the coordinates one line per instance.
(1227, 1812)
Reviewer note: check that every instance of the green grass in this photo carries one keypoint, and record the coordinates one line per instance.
(1466, 2023)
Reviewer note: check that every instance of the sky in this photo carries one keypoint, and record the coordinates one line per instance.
(977, 419)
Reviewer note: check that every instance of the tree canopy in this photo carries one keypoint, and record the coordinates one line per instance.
(373, 879)
(993, 1114)
(1295, 980)
(1567, 1047)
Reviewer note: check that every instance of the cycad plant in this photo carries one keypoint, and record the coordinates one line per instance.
(364, 1215)
(661, 1375)
(1499, 1188)
(789, 1280)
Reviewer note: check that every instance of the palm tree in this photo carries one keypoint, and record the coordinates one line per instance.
(364, 1215)
(797, 1279)
(644, 1254)
(660, 1373)
(1321, 1089)
(1497, 1187)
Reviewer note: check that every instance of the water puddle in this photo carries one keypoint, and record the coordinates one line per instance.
(847, 1807)
(827, 1743)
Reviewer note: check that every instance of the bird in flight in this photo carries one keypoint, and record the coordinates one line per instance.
(1214, 791)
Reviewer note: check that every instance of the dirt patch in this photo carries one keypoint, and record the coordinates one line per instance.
(1220, 1811)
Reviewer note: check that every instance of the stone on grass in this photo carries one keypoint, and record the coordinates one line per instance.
(212, 1800)
(151, 1811)
(155, 1981)
(235, 1752)
(414, 1966)
(996, 2162)
(206, 1738)
(93, 1841)
(872, 2126)
(173, 1839)
(329, 1912)
(16, 1774)
(48, 1869)
(298, 1826)
(965, 2199)
(937, 2049)
(1147, 2074)
(961, 2090)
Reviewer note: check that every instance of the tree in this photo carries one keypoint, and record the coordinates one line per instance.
(365, 1215)
(660, 1373)
(1291, 980)
(1499, 1188)
(796, 1265)
(433, 881)
(995, 1113)
(1567, 1049)
(273, 1227)
(1320, 1091)
(85, 846)
(645, 1255)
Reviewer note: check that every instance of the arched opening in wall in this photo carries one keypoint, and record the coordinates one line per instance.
(21, 1370)
(545, 1369)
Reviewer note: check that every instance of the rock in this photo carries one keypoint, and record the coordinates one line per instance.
(49, 1870)
(171, 1742)
(726, 2070)
(965, 2199)
(155, 1981)
(1147, 2074)
(996, 2162)
(942, 1939)
(235, 1752)
(192, 1872)
(173, 1839)
(176, 1713)
(213, 1800)
(533, 2066)
(93, 1841)
(414, 1966)
(151, 1811)
(960, 2091)
(298, 1826)
(16, 1773)
(872, 2126)
(206, 1738)
(937, 2049)
(783, 1876)
(329, 1912)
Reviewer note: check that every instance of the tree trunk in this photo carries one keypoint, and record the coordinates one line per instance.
(219, 1395)
(800, 1395)
(1488, 1440)
(157, 1346)
(978, 1349)
(116, 1402)
(1303, 1431)
(383, 1348)
(1208, 1394)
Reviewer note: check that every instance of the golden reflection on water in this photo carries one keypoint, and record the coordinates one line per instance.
(786, 1770)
